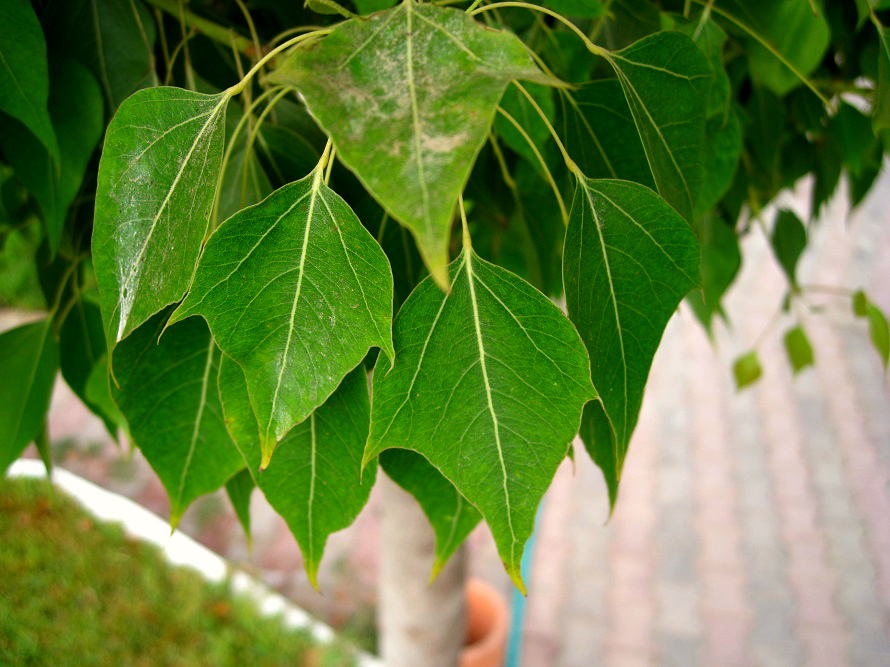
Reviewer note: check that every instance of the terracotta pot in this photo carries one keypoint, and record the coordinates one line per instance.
(487, 627)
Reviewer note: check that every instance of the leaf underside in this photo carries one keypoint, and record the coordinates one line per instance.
(488, 385)
(408, 97)
(296, 291)
(629, 261)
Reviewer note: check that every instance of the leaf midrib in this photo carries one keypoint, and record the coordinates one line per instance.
(198, 417)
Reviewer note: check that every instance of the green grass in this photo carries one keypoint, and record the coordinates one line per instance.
(74, 591)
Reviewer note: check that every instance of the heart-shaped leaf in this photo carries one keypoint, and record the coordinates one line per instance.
(488, 384)
(315, 481)
(408, 97)
(629, 260)
(296, 291)
(157, 180)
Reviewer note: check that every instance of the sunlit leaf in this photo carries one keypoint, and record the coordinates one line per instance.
(315, 481)
(157, 179)
(798, 349)
(629, 260)
(747, 369)
(408, 97)
(488, 385)
(296, 291)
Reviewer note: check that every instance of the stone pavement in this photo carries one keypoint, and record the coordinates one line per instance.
(753, 528)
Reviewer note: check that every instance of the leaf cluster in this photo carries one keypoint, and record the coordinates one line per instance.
(317, 237)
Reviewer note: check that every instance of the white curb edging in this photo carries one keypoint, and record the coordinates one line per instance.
(179, 548)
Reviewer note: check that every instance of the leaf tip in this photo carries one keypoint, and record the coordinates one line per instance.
(516, 577)
(312, 574)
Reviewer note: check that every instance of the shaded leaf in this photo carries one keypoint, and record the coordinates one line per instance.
(157, 180)
(747, 369)
(244, 182)
(168, 395)
(81, 347)
(296, 291)
(488, 385)
(724, 148)
(29, 355)
(315, 481)
(518, 106)
(114, 38)
(789, 241)
(798, 349)
(600, 133)
(720, 263)
(710, 38)
(666, 79)
(582, 9)
(98, 393)
(239, 489)
(789, 26)
(24, 77)
(408, 97)
(629, 260)
(449, 513)
(854, 135)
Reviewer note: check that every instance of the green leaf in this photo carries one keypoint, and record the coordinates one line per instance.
(488, 385)
(157, 180)
(365, 7)
(98, 393)
(24, 76)
(296, 291)
(41, 442)
(854, 135)
(747, 369)
(710, 38)
(600, 133)
(408, 97)
(860, 304)
(582, 9)
(81, 347)
(881, 116)
(518, 106)
(167, 392)
(75, 105)
(878, 329)
(629, 260)
(798, 349)
(239, 489)
(114, 38)
(315, 481)
(791, 28)
(244, 182)
(666, 79)
(723, 136)
(449, 513)
(29, 359)
(789, 241)
(721, 261)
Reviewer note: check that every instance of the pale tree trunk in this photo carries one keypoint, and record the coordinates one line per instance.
(420, 625)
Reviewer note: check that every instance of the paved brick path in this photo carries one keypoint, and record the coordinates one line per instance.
(752, 528)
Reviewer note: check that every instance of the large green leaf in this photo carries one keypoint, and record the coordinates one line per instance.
(315, 481)
(517, 105)
(488, 385)
(167, 392)
(723, 134)
(600, 133)
(666, 80)
(449, 513)
(24, 74)
(408, 97)
(114, 38)
(789, 240)
(721, 260)
(710, 38)
(29, 359)
(157, 180)
(75, 105)
(881, 117)
(629, 260)
(296, 291)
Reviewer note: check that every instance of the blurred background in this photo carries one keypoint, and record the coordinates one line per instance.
(752, 528)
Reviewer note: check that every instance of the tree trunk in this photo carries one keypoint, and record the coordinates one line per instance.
(420, 624)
